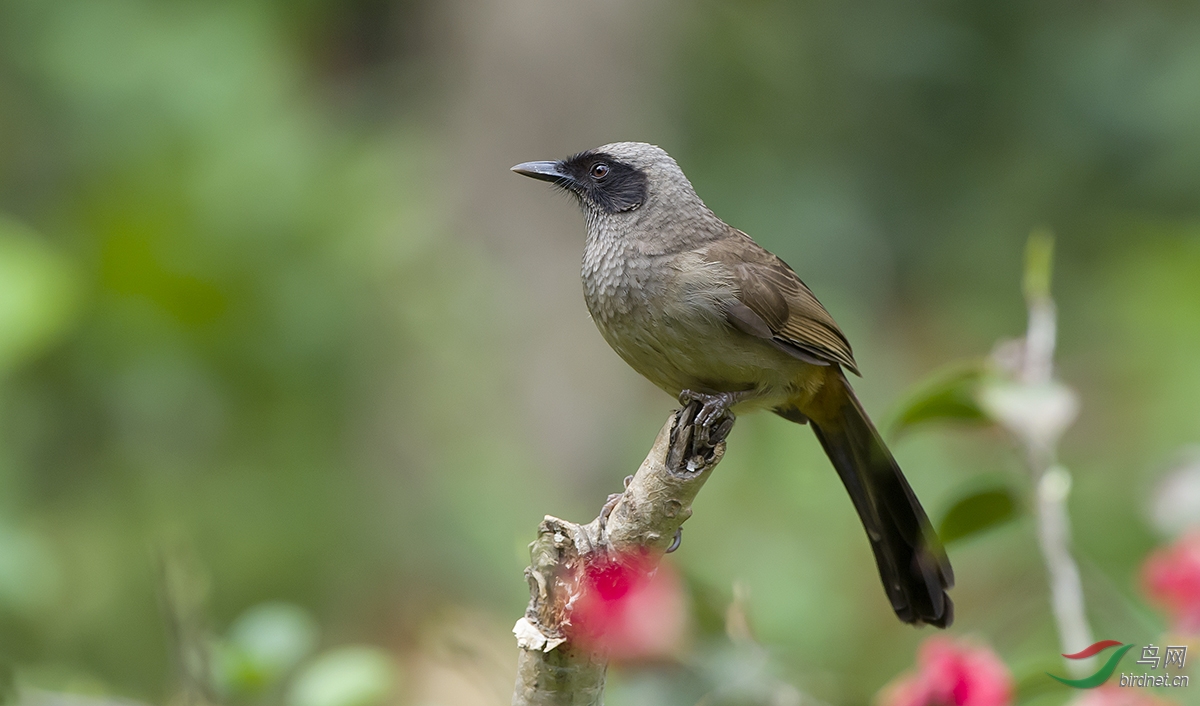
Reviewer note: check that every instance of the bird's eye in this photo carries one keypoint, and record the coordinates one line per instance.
(599, 170)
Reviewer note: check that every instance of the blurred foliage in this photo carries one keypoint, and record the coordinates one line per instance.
(38, 299)
(948, 396)
(245, 300)
(1039, 265)
(264, 659)
(263, 645)
(349, 676)
(8, 689)
(977, 512)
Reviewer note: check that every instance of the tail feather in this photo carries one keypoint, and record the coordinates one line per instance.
(912, 563)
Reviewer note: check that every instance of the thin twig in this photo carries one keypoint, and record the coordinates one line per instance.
(1053, 481)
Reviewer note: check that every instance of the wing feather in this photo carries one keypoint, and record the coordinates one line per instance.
(777, 306)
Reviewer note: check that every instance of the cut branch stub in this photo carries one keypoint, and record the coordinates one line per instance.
(553, 557)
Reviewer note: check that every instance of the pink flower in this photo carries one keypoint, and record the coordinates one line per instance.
(1112, 695)
(1171, 579)
(629, 609)
(952, 673)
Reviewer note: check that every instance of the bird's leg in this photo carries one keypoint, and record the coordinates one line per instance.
(713, 408)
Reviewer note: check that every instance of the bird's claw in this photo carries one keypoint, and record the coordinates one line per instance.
(677, 541)
(714, 419)
(611, 503)
(609, 506)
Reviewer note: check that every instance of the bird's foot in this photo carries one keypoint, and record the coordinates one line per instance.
(712, 419)
(693, 444)
(714, 411)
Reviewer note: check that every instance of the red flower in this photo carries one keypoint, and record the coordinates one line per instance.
(629, 609)
(952, 673)
(1171, 578)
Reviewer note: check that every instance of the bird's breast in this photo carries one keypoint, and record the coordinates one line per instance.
(664, 315)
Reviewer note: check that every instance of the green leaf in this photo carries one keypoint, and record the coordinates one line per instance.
(977, 512)
(946, 396)
(348, 676)
(38, 294)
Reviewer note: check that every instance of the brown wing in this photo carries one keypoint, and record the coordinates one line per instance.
(776, 305)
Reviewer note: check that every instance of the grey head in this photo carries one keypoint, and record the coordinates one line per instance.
(618, 178)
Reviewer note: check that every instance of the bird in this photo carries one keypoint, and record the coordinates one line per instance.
(707, 314)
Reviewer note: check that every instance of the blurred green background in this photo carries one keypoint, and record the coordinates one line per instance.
(273, 308)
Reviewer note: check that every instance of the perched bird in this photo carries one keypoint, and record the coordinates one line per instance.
(707, 314)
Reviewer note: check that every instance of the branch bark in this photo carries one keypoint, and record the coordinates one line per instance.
(553, 669)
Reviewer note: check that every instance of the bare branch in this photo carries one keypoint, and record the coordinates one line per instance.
(552, 669)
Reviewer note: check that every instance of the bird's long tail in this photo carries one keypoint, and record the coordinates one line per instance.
(912, 563)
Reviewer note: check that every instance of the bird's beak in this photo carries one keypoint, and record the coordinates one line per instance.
(546, 171)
